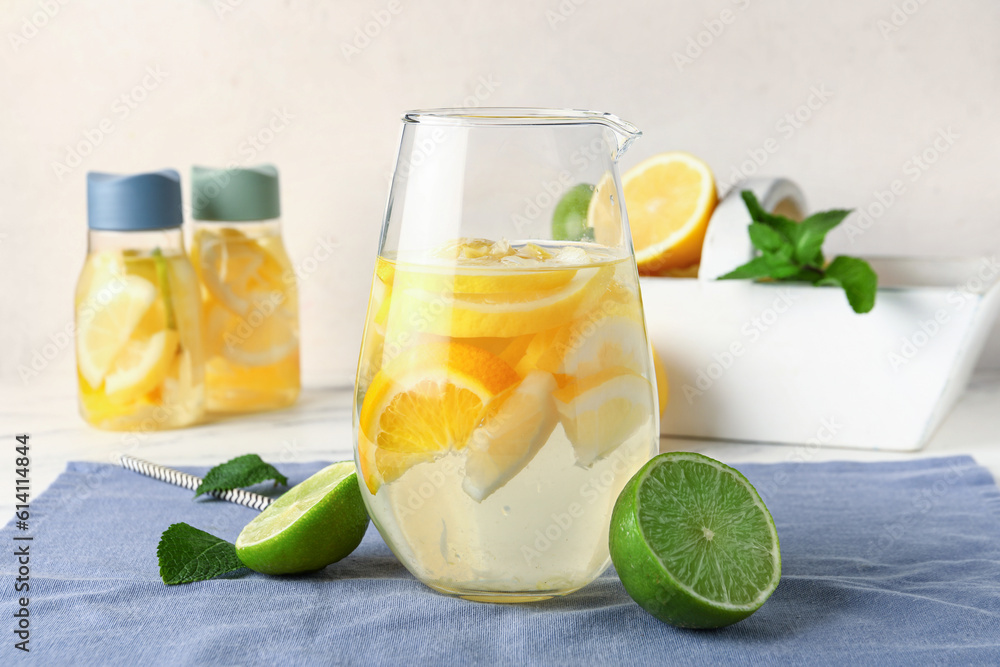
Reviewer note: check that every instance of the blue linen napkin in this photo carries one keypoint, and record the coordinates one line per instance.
(893, 563)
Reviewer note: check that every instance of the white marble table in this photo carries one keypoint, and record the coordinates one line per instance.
(319, 428)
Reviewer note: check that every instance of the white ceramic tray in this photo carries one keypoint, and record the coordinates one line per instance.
(792, 363)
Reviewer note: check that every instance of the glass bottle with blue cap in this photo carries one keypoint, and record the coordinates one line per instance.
(140, 362)
(249, 293)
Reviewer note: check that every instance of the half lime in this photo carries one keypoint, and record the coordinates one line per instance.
(310, 526)
(693, 543)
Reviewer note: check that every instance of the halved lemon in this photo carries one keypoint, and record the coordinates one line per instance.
(141, 366)
(602, 411)
(514, 427)
(106, 324)
(423, 404)
(670, 199)
(236, 270)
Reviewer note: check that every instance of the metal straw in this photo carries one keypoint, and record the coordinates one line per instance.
(178, 478)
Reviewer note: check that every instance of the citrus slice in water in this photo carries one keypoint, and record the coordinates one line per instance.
(693, 543)
(514, 426)
(670, 199)
(113, 314)
(602, 411)
(141, 366)
(236, 270)
(490, 278)
(265, 336)
(506, 314)
(312, 525)
(591, 346)
(662, 384)
(425, 403)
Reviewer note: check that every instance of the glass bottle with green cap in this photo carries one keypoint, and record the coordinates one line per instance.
(249, 297)
(140, 363)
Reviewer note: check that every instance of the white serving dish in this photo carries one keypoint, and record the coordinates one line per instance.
(792, 363)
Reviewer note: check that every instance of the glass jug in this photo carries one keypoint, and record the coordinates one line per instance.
(505, 390)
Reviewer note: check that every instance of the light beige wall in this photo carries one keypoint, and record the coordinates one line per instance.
(200, 78)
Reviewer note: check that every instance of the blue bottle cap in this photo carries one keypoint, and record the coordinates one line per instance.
(134, 202)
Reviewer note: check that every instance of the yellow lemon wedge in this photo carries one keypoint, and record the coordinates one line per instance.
(423, 404)
(602, 411)
(513, 428)
(141, 366)
(670, 199)
(107, 321)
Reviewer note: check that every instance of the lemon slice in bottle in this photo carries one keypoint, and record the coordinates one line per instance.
(105, 328)
(141, 366)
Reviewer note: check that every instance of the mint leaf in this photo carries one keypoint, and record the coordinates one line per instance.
(793, 252)
(755, 268)
(857, 278)
(187, 554)
(808, 247)
(237, 473)
(766, 238)
(779, 223)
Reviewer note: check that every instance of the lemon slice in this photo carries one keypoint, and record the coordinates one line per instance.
(602, 411)
(260, 339)
(514, 427)
(670, 199)
(467, 315)
(141, 366)
(607, 343)
(236, 270)
(423, 404)
(105, 329)
(478, 280)
(662, 385)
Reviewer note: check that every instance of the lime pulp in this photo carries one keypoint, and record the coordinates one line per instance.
(693, 542)
(312, 525)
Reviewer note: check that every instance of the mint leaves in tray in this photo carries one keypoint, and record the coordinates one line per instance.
(793, 252)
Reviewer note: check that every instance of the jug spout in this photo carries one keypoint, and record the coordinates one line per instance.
(624, 131)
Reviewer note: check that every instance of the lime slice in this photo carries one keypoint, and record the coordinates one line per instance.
(693, 543)
(569, 219)
(312, 525)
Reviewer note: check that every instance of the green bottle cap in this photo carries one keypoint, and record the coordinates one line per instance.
(235, 195)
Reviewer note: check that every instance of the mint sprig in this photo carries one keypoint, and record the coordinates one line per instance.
(187, 554)
(793, 252)
(237, 473)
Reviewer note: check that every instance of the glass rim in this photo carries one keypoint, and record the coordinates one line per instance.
(516, 116)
